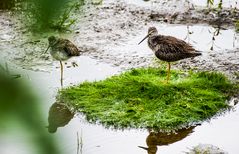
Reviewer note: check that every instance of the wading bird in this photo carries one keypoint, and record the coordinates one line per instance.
(168, 48)
(62, 50)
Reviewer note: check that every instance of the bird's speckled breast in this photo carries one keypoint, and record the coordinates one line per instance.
(163, 54)
(153, 45)
(58, 54)
(169, 57)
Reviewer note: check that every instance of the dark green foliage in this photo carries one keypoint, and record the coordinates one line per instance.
(140, 99)
(237, 26)
(7, 4)
(220, 5)
(210, 2)
(45, 15)
(20, 106)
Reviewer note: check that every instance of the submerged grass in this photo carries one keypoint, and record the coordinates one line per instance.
(140, 98)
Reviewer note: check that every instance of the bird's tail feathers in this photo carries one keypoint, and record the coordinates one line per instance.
(198, 53)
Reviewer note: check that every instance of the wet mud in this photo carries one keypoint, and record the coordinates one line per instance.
(110, 33)
(113, 31)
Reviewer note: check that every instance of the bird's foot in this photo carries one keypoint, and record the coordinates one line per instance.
(74, 64)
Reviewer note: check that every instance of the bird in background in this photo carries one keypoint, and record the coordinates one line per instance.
(168, 48)
(62, 50)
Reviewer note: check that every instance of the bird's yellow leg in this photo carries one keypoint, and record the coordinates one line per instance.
(61, 74)
(168, 73)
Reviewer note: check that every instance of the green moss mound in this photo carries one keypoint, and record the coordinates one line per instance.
(141, 99)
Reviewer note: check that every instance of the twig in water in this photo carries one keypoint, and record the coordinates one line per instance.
(79, 143)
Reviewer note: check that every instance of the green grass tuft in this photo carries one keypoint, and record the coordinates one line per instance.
(141, 99)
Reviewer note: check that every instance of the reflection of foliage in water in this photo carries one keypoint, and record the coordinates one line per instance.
(215, 33)
(19, 106)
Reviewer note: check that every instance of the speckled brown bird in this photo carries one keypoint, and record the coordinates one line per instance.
(62, 50)
(168, 48)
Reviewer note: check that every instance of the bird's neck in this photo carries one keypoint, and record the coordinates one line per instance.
(151, 42)
(52, 44)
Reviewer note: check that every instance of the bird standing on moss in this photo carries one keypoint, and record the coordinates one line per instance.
(62, 50)
(168, 48)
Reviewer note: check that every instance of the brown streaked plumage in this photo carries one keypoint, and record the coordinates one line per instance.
(168, 48)
(62, 49)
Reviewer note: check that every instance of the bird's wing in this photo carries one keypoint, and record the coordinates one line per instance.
(70, 48)
(169, 44)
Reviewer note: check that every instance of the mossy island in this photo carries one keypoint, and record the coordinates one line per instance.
(140, 98)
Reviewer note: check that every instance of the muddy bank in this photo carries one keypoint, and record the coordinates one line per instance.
(181, 12)
(110, 33)
(113, 30)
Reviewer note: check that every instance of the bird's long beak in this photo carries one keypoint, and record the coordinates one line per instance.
(143, 39)
(143, 148)
(46, 49)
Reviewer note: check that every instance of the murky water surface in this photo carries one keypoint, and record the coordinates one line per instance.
(222, 132)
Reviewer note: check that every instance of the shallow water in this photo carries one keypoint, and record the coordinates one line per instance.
(222, 132)
(46, 84)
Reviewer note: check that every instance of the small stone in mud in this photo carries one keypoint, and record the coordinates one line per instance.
(74, 64)
(236, 100)
(206, 149)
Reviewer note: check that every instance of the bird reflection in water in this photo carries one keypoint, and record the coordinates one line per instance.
(59, 116)
(155, 139)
